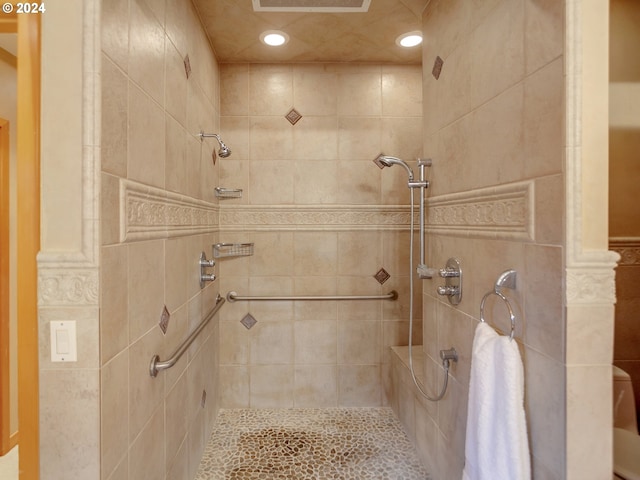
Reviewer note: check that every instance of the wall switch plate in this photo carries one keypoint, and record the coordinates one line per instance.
(63, 341)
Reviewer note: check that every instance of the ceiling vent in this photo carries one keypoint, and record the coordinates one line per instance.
(320, 6)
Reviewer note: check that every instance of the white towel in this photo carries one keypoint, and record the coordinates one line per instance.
(496, 446)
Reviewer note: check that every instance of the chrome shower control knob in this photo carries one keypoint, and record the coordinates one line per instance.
(207, 263)
(204, 264)
(449, 272)
(449, 290)
(452, 288)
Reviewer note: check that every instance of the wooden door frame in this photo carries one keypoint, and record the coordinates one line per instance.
(5, 357)
(28, 220)
(8, 24)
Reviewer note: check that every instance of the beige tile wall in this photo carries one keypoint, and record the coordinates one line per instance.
(155, 427)
(327, 353)
(495, 117)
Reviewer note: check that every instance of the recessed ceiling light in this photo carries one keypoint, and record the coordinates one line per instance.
(274, 38)
(410, 39)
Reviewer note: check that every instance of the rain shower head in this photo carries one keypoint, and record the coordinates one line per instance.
(383, 160)
(224, 151)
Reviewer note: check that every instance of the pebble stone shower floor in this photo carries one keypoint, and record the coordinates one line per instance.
(309, 444)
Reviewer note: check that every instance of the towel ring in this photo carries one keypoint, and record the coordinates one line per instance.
(512, 317)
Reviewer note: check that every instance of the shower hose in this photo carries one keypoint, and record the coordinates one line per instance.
(445, 362)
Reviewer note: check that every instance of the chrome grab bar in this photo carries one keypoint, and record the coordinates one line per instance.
(157, 364)
(392, 295)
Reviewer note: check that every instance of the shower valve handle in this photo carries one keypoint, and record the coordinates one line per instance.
(448, 290)
(204, 264)
(449, 272)
(207, 263)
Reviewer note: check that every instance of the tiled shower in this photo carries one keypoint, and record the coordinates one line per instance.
(322, 217)
(314, 205)
(324, 220)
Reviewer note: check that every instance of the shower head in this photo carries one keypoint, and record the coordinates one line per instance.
(224, 151)
(383, 160)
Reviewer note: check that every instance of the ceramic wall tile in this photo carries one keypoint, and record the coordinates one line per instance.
(176, 84)
(234, 386)
(234, 94)
(146, 50)
(315, 386)
(146, 139)
(115, 31)
(114, 308)
(359, 385)
(114, 119)
(543, 100)
(270, 89)
(147, 459)
(145, 287)
(65, 437)
(271, 386)
(177, 24)
(325, 179)
(367, 82)
(544, 28)
(271, 343)
(114, 436)
(147, 92)
(402, 91)
(145, 393)
(486, 126)
(315, 342)
(315, 89)
(359, 342)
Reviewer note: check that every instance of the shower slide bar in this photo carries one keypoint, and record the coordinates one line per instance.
(392, 295)
(157, 364)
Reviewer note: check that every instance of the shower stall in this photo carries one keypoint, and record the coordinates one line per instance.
(324, 223)
(122, 241)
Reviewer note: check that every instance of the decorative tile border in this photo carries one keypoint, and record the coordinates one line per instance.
(628, 249)
(498, 212)
(149, 212)
(588, 286)
(61, 287)
(503, 212)
(314, 218)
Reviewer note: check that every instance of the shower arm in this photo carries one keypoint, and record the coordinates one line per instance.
(209, 135)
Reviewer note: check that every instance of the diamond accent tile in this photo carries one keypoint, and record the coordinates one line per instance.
(248, 321)
(382, 276)
(187, 66)
(437, 67)
(164, 320)
(293, 116)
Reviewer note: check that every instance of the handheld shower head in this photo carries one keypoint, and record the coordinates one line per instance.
(383, 160)
(224, 151)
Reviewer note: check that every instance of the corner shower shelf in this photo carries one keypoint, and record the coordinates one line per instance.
(222, 192)
(221, 250)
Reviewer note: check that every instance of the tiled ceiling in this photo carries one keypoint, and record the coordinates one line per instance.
(234, 29)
